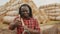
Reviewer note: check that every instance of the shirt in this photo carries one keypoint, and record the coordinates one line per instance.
(30, 23)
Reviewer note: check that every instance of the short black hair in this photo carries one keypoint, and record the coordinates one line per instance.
(30, 10)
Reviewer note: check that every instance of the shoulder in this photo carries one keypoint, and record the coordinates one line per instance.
(34, 19)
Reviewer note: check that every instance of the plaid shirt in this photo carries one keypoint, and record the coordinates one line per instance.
(31, 23)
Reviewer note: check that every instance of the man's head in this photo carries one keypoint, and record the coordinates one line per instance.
(25, 11)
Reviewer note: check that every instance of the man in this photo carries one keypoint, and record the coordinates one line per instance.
(25, 13)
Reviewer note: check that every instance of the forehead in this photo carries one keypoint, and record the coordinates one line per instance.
(25, 7)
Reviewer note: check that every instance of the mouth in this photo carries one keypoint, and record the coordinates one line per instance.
(26, 15)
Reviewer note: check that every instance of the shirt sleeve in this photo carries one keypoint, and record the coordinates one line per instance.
(37, 26)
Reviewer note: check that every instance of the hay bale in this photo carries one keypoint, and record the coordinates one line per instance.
(58, 18)
(8, 19)
(12, 13)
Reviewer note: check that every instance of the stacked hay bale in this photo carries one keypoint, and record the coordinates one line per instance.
(10, 16)
(52, 11)
(7, 15)
(44, 16)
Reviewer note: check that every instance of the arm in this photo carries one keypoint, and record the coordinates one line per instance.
(14, 24)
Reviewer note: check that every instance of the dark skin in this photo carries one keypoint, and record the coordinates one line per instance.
(25, 13)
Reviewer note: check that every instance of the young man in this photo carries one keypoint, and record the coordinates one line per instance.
(25, 13)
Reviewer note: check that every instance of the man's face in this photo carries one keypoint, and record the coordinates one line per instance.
(25, 11)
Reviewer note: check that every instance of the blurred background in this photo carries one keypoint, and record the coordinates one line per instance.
(47, 12)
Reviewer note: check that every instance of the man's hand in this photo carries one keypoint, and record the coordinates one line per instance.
(13, 25)
(31, 30)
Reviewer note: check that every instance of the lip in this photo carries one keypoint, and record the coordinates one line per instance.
(26, 14)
